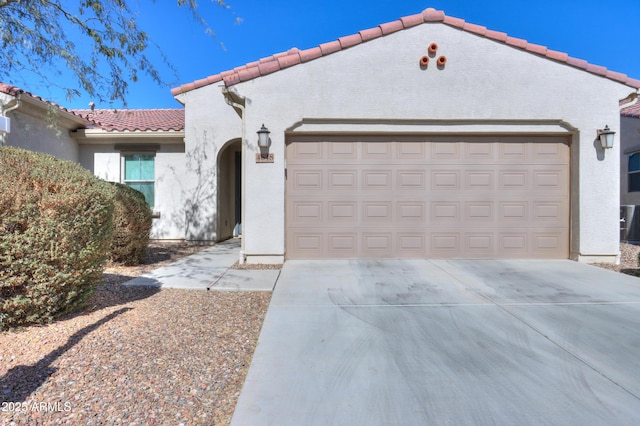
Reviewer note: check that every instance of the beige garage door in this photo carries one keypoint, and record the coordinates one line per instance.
(435, 197)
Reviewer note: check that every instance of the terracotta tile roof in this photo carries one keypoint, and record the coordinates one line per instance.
(295, 56)
(631, 111)
(15, 91)
(134, 119)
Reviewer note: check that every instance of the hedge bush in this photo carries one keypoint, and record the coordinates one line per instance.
(55, 235)
(132, 218)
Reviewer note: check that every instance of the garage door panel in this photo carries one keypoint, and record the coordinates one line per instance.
(411, 151)
(445, 244)
(443, 197)
(445, 180)
(512, 152)
(513, 212)
(411, 211)
(555, 180)
(411, 180)
(480, 212)
(342, 180)
(307, 180)
(513, 244)
(513, 180)
(547, 243)
(306, 244)
(445, 212)
(305, 212)
(478, 244)
(550, 212)
(342, 151)
(343, 243)
(376, 212)
(343, 212)
(376, 151)
(307, 150)
(377, 244)
(411, 244)
(376, 180)
(479, 180)
(445, 151)
(482, 151)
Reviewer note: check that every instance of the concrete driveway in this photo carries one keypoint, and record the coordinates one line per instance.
(459, 342)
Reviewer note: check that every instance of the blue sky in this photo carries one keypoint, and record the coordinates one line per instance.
(603, 33)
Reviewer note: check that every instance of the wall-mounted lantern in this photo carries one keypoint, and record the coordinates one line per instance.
(606, 137)
(263, 144)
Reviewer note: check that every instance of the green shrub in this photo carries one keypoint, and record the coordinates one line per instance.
(131, 225)
(55, 232)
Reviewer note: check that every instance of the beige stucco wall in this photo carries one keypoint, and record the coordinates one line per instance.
(210, 124)
(32, 129)
(378, 86)
(104, 161)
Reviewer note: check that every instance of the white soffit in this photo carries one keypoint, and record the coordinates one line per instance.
(342, 126)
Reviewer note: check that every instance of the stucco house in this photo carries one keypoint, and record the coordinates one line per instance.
(630, 171)
(143, 148)
(423, 137)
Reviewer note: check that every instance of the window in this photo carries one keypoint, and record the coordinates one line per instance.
(634, 172)
(139, 173)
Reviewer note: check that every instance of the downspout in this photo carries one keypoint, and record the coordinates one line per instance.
(228, 97)
(634, 99)
(7, 108)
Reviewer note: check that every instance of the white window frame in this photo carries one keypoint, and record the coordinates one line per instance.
(123, 171)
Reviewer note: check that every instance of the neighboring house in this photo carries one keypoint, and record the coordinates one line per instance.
(142, 148)
(38, 125)
(630, 172)
(423, 137)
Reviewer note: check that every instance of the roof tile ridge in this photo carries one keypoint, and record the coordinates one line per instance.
(474, 28)
(289, 60)
(310, 54)
(391, 27)
(295, 56)
(330, 47)
(370, 34)
(412, 20)
(350, 40)
(432, 15)
(538, 50)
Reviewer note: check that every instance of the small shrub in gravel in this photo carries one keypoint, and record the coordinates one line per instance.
(55, 232)
(132, 218)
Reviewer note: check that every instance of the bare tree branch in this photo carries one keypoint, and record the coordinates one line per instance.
(39, 35)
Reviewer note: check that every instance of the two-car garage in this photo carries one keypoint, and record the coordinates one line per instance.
(427, 197)
(421, 138)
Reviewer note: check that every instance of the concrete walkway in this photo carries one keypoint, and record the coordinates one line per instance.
(446, 342)
(209, 270)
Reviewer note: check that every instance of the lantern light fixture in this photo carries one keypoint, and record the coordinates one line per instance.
(606, 137)
(263, 137)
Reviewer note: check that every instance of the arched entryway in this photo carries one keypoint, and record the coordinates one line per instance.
(229, 207)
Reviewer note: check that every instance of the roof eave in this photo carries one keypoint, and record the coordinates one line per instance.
(101, 134)
(61, 112)
(294, 57)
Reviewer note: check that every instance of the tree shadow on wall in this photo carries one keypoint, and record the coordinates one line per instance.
(22, 380)
(196, 221)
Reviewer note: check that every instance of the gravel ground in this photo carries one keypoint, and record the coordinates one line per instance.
(135, 356)
(628, 260)
(142, 356)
